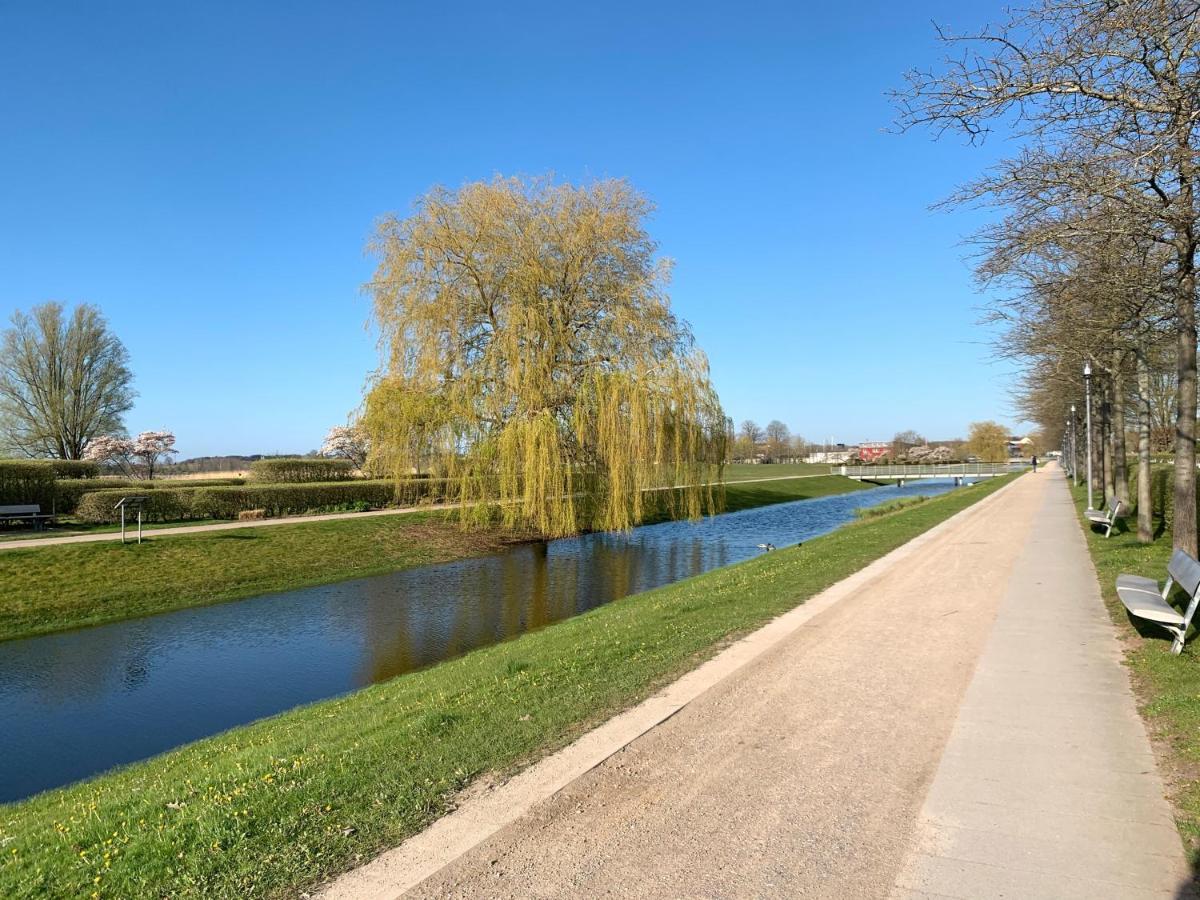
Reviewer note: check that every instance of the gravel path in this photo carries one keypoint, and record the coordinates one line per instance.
(802, 774)
(807, 771)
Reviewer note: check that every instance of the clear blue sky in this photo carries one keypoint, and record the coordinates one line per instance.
(208, 175)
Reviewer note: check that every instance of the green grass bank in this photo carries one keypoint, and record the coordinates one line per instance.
(1167, 687)
(46, 589)
(271, 808)
(752, 472)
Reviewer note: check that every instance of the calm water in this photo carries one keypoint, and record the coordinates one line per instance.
(77, 703)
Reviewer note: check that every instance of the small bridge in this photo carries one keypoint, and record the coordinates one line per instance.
(958, 471)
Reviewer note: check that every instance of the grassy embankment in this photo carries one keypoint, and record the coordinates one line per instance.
(751, 472)
(270, 808)
(1168, 687)
(45, 589)
(884, 509)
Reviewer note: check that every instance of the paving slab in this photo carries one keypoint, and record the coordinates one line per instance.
(1047, 786)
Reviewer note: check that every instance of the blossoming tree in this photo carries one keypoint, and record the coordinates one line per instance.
(137, 457)
(347, 442)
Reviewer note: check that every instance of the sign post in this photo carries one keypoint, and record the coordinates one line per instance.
(132, 503)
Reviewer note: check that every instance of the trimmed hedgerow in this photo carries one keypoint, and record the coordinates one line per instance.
(71, 468)
(226, 502)
(1162, 491)
(301, 470)
(26, 481)
(291, 499)
(68, 493)
(161, 505)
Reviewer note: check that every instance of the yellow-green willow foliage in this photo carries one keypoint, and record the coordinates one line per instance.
(530, 357)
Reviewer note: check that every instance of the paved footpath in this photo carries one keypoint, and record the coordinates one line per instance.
(957, 725)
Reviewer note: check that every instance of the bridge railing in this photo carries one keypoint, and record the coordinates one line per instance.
(929, 471)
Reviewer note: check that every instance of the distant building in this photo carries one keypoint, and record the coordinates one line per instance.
(871, 451)
(1020, 446)
(829, 457)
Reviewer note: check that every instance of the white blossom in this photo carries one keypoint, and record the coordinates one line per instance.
(136, 458)
(347, 442)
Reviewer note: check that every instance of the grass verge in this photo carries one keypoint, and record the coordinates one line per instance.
(885, 509)
(45, 589)
(1167, 687)
(269, 808)
(750, 471)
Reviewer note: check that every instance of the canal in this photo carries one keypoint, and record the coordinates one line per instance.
(80, 702)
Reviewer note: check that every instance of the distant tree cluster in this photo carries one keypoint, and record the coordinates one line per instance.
(774, 443)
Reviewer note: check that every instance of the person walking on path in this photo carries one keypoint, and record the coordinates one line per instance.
(1035, 464)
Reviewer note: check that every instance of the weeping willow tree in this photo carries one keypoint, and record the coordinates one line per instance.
(530, 357)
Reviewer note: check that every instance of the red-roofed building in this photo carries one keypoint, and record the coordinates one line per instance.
(871, 451)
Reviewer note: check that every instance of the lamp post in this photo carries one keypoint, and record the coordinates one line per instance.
(1087, 395)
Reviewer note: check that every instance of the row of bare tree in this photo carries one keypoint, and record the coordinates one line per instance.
(775, 441)
(1097, 241)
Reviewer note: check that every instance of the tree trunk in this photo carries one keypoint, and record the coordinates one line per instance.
(1075, 448)
(1096, 455)
(1145, 509)
(1184, 519)
(1106, 439)
(1120, 464)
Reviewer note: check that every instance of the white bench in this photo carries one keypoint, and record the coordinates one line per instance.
(1143, 598)
(1108, 519)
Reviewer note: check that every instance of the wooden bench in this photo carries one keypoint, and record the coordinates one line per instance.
(1143, 598)
(1107, 519)
(29, 512)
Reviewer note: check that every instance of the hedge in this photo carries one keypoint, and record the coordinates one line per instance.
(69, 492)
(72, 468)
(161, 505)
(1162, 491)
(26, 481)
(301, 469)
(176, 504)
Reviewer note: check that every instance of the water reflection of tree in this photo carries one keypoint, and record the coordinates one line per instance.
(443, 611)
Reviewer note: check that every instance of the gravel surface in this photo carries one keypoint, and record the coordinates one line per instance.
(800, 775)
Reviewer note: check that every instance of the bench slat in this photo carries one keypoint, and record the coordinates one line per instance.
(1185, 571)
(1145, 605)
(1139, 583)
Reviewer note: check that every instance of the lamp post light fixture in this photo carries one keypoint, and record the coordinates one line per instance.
(1087, 395)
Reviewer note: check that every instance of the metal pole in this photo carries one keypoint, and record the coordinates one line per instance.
(122, 523)
(139, 524)
(1087, 392)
